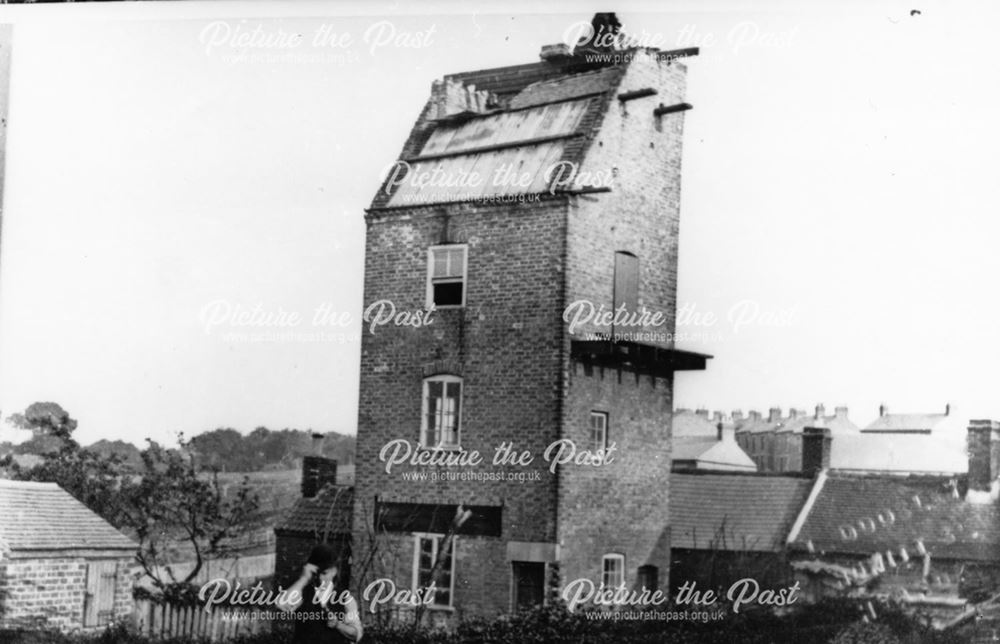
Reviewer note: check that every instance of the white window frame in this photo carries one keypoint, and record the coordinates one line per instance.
(595, 413)
(620, 559)
(425, 398)
(430, 275)
(437, 539)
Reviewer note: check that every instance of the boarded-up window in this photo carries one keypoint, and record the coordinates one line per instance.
(626, 284)
(99, 600)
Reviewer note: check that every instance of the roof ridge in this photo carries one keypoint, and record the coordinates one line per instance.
(36, 484)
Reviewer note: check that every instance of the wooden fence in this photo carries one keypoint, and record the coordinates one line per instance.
(158, 621)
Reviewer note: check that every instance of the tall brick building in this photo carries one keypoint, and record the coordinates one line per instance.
(578, 163)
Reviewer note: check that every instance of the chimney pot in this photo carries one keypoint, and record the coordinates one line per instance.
(883, 410)
(947, 409)
(820, 411)
(774, 414)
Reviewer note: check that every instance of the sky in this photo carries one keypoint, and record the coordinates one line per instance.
(186, 180)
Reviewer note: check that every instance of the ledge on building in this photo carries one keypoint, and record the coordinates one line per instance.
(645, 358)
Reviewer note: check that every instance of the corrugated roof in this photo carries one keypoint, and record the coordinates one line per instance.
(868, 514)
(329, 512)
(734, 511)
(43, 516)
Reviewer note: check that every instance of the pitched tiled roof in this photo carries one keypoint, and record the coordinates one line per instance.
(328, 512)
(690, 423)
(863, 515)
(734, 511)
(43, 516)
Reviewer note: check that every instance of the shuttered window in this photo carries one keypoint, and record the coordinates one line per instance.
(626, 284)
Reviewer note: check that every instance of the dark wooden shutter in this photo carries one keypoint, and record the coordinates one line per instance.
(626, 285)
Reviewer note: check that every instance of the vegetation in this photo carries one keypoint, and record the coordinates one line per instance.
(833, 622)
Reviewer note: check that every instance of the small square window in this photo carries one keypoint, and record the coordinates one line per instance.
(446, 268)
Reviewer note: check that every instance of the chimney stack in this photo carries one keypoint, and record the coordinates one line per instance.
(820, 411)
(840, 412)
(737, 417)
(883, 410)
(774, 415)
(984, 461)
(754, 415)
(702, 412)
(317, 470)
(815, 450)
(947, 409)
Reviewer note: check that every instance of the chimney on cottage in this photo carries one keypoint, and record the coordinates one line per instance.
(794, 413)
(717, 416)
(947, 409)
(753, 415)
(737, 417)
(840, 412)
(816, 443)
(317, 471)
(774, 415)
(984, 461)
(701, 411)
(820, 411)
(883, 410)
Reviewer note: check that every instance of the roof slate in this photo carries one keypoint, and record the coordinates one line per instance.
(329, 511)
(734, 511)
(43, 516)
(867, 514)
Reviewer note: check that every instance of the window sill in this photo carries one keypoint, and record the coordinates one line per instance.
(441, 448)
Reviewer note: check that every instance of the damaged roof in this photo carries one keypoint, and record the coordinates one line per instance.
(864, 515)
(541, 115)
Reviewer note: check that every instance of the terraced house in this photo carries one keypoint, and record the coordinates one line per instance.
(527, 204)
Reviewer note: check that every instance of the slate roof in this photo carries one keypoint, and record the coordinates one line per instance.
(43, 516)
(914, 423)
(910, 453)
(710, 453)
(862, 515)
(734, 511)
(686, 422)
(329, 512)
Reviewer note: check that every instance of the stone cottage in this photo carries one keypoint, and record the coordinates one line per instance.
(61, 565)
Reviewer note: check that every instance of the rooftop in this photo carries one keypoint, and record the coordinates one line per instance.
(749, 512)
(43, 516)
(863, 515)
(329, 512)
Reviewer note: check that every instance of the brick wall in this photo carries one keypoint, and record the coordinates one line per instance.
(640, 215)
(51, 592)
(506, 344)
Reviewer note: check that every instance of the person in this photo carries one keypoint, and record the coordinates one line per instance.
(325, 613)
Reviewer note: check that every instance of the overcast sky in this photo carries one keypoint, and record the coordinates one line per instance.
(838, 216)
